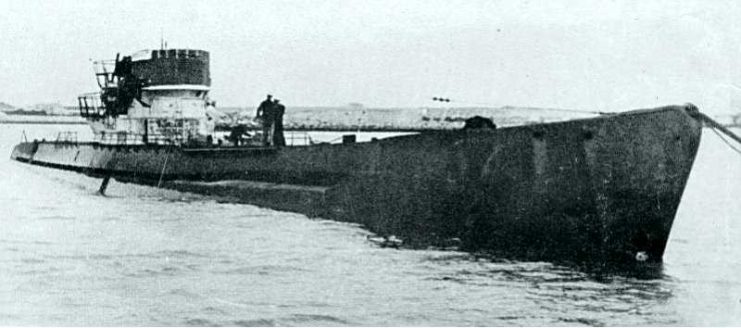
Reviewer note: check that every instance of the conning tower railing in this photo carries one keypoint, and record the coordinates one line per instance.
(104, 73)
(91, 106)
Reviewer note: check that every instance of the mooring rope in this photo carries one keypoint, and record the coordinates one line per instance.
(715, 126)
(724, 140)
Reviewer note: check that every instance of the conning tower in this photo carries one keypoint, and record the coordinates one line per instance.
(152, 96)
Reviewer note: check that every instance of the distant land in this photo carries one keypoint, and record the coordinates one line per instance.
(51, 109)
(6, 107)
(47, 113)
(355, 116)
(352, 116)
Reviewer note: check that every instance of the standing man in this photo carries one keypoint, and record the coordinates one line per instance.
(210, 127)
(266, 113)
(278, 110)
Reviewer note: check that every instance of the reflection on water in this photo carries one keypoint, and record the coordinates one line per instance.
(145, 256)
(570, 295)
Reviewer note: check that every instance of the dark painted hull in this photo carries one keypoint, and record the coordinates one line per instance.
(595, 189)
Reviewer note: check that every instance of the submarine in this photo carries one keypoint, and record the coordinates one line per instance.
(598, 189)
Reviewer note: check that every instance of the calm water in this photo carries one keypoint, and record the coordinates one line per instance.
(143, 256)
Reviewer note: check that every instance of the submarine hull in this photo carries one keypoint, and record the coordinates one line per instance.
(598, 189)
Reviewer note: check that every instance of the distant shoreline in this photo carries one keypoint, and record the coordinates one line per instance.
(41, 122)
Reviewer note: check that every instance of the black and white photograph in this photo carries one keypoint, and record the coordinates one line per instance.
(385, 163)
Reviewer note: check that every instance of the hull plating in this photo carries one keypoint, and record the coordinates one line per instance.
(605, 188)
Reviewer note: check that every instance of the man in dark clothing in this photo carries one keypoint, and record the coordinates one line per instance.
(237, 134)
(278, 110)
(266, 113)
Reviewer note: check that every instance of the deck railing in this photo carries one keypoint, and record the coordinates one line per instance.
(127, 138)
(293, 138)
(67, 136)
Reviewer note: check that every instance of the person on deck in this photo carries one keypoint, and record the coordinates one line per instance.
(236, 136)
(278, 110)
(266, 113)
(210, 126)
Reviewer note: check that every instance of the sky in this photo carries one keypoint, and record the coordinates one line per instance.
(590, 55)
